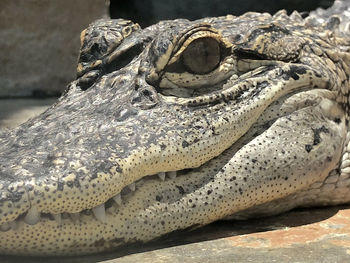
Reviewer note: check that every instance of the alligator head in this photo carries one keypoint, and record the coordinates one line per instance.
(178, 125)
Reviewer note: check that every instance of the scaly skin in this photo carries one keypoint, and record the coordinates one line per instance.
(251, 112)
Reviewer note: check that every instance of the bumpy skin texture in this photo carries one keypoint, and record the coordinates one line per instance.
(251, 113)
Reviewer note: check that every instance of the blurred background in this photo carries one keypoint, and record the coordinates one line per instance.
(39, 40)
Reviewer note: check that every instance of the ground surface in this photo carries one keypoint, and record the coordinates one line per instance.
(308, 235)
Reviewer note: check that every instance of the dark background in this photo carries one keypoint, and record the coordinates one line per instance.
(148, 12)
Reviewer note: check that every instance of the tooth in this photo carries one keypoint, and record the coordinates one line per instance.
(161, 175)
(75, 216)
(132, 187)
(172, 174)
(33, 216)
(100, 212)
(58, 218)
(13, 225)
(5, 227)
(139, 182)
(118, 199)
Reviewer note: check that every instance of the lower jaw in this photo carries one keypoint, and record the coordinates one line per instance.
(82, 233)
(85, 234)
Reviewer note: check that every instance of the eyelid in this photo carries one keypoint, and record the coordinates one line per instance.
(169, 57)
(195, 36)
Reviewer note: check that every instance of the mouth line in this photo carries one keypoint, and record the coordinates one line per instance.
(33, 216)
(100, 212)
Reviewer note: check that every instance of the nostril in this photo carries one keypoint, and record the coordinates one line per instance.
(87, 80)
(95, 50)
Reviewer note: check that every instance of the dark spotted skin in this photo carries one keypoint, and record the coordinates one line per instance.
(261, 129)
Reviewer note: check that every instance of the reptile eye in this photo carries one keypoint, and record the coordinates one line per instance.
(202, 56)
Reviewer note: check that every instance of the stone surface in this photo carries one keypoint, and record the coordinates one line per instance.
(320, 235)
(39, 43)
(16, 111)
